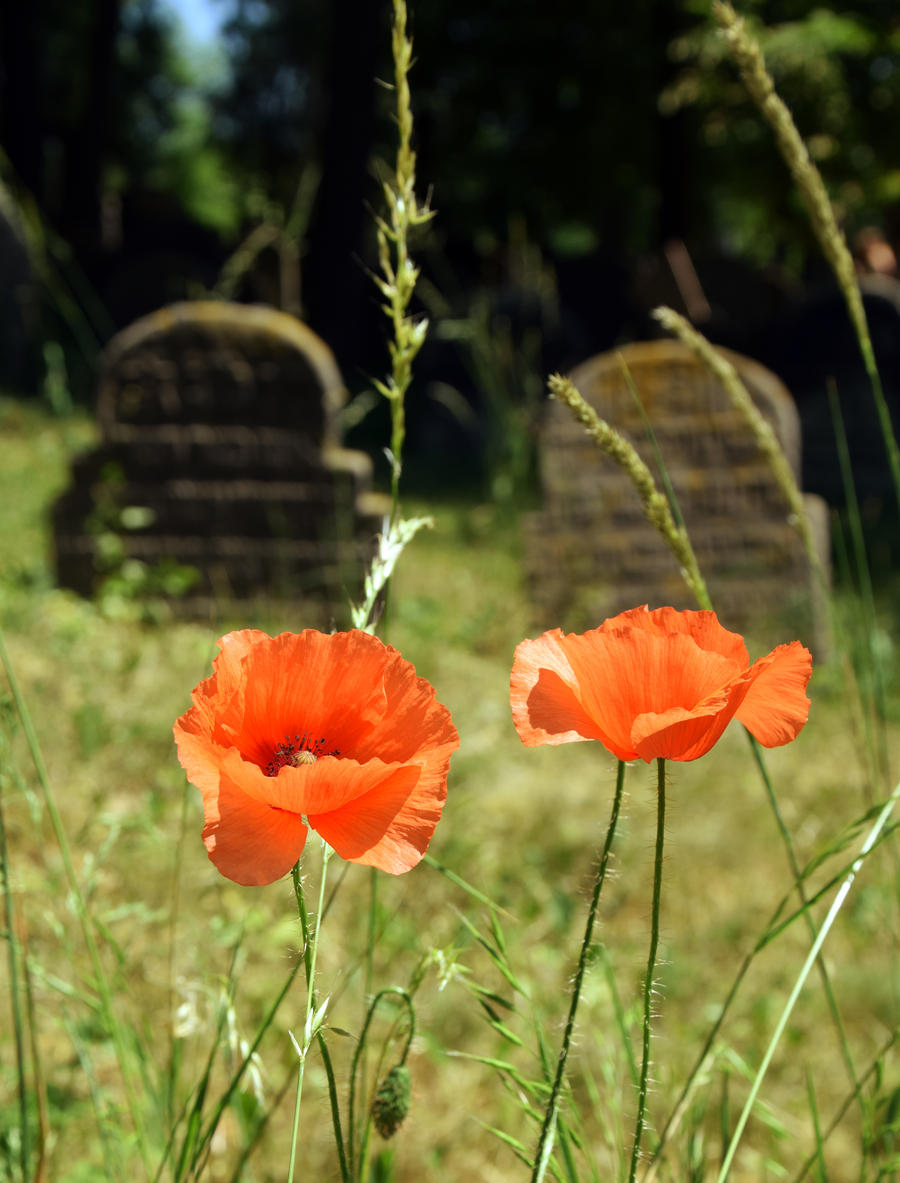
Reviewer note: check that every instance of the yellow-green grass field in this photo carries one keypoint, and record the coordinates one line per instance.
(104, 685)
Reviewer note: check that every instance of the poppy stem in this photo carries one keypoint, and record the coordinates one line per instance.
(548, 1129)
(651, 965)
(313, 1018)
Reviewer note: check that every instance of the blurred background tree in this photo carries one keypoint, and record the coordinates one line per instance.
(600, 132)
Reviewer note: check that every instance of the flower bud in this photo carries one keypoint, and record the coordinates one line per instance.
(391, 1103)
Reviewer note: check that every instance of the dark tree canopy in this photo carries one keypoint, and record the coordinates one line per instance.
(593, 127)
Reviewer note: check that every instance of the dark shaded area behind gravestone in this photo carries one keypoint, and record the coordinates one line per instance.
(812, 346)
(19, 347)
(220, 450)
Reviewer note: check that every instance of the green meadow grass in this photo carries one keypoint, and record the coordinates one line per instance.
(521, 826)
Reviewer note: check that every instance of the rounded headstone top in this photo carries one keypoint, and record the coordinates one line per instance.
(659, 368)
(223, 364)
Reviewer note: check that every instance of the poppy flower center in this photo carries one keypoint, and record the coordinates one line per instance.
(296, 751)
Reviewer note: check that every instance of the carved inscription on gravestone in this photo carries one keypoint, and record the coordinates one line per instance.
(220, 449)
(591, 552)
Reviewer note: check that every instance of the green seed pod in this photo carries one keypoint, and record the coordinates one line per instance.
(391, 1103)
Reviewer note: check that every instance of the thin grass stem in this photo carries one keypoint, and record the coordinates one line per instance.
(811, 958)
(313, 947)
(251, 1144)
(244, 1064)
(81, 909)
(765, 437)
(548, 1129)
(37, 1072)
(842, 1110)
(651, 967)
(775, 926)
(112, 1168)
(669, 488)
(13, 950)
(192, 1151)
(798, 880)
(174, 904)
(864, 579)
(398, 274)
(356, 1165)
(656, 507)
(751, 64)
(619, 1011)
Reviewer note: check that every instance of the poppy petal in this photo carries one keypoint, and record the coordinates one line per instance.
(701, 626)
(626, 674)
(678, 734)
(776, 708)
(545, 705)
(391, 826)
(248, 841)
(304, 682)
(196, 752)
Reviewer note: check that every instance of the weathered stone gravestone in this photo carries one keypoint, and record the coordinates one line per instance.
(220, 452)
(591, 552)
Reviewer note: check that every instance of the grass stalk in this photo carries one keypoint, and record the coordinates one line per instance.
(651, 968)
(750, 62)
(174, 907)
(111, 1164)
(398, 274)
(81, 909)
(873, 666)
(192, 1149)
(656, 506)
(812, 956)
(548, 1128)
(759, 425)
(824, 975)
(38, 1082)
(224, 1100)
(14, 953)
(357, 1162)
(842, 1110)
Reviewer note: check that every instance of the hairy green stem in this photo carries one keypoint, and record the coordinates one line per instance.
(651, 966)
(548, 1129)
(310, 954)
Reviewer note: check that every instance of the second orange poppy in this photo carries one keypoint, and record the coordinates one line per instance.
(660, 683)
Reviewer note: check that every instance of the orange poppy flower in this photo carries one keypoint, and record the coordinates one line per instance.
(656, 684)
(333, 732)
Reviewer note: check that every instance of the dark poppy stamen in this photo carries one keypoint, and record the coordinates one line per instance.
(296, 751)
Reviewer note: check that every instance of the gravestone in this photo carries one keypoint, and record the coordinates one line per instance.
(220, 452)
(591, 553)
